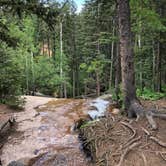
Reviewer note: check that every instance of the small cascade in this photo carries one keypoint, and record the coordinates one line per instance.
(99, 107)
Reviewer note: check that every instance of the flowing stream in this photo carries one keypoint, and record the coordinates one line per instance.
(44, 136)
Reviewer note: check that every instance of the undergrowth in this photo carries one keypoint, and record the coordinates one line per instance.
(148, 94)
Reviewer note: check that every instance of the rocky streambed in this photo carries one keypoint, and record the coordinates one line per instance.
(44, 132)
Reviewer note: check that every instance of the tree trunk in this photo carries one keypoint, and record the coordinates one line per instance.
(158, 68)
(140, 63)
(54, 46)
(112, 57)
(97, 83)
(33, 74)
(154, 66)
(117, 72)
(48, 40)
(126, 52)
(74, 81)
(27, 74)
(61, 59)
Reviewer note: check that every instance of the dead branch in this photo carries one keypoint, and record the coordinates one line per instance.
(127, 151)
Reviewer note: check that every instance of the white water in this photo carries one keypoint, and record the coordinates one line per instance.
(100, 106)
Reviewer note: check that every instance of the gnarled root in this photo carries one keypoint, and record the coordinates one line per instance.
(127, 151)
(137, 109)
(151, 121)
(155, 139)
(131, 128)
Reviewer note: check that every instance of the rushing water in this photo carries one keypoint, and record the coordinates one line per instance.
(46, 138)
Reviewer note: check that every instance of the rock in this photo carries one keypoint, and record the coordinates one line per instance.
(105, 97)
(15, 163)
(115, 111)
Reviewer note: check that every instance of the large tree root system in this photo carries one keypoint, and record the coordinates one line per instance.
(118, 142)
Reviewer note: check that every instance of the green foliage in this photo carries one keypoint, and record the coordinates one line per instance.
(88, 123)
(88, 40)
(47, 79)
(148, 94)
(11, 75)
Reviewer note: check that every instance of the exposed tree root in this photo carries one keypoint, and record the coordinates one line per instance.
(155, 139)
(144, 159)
(161, 154)
(137, 109)
(151, 120)
(161, 143)
(131, 142)
(127, 151)
(131, 128)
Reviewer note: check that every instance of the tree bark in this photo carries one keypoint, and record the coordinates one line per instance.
(61, 61)
(112, 56)
(158, 68)
(117, 72)
(97, 83)
(154, 66)
(126, 52)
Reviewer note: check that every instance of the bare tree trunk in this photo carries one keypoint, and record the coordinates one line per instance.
(154, 67)
(112, 58)
(77, 80)
(140, 65)
(126, 52)
(53, 46)
(61, 59)
(117, 72)
(43, 47)
(97, 83)
(131, 103)
(27, 74)
(65, 90)
(74, 81)
(48, 40)
(33, 73)
(158, 68)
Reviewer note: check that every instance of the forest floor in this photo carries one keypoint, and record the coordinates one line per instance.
(118, 141)
(43, 136)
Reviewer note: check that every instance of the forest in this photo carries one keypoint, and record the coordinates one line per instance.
(77, 54)
(50, 49)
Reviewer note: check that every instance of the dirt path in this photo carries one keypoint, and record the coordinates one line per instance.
(43, 136)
